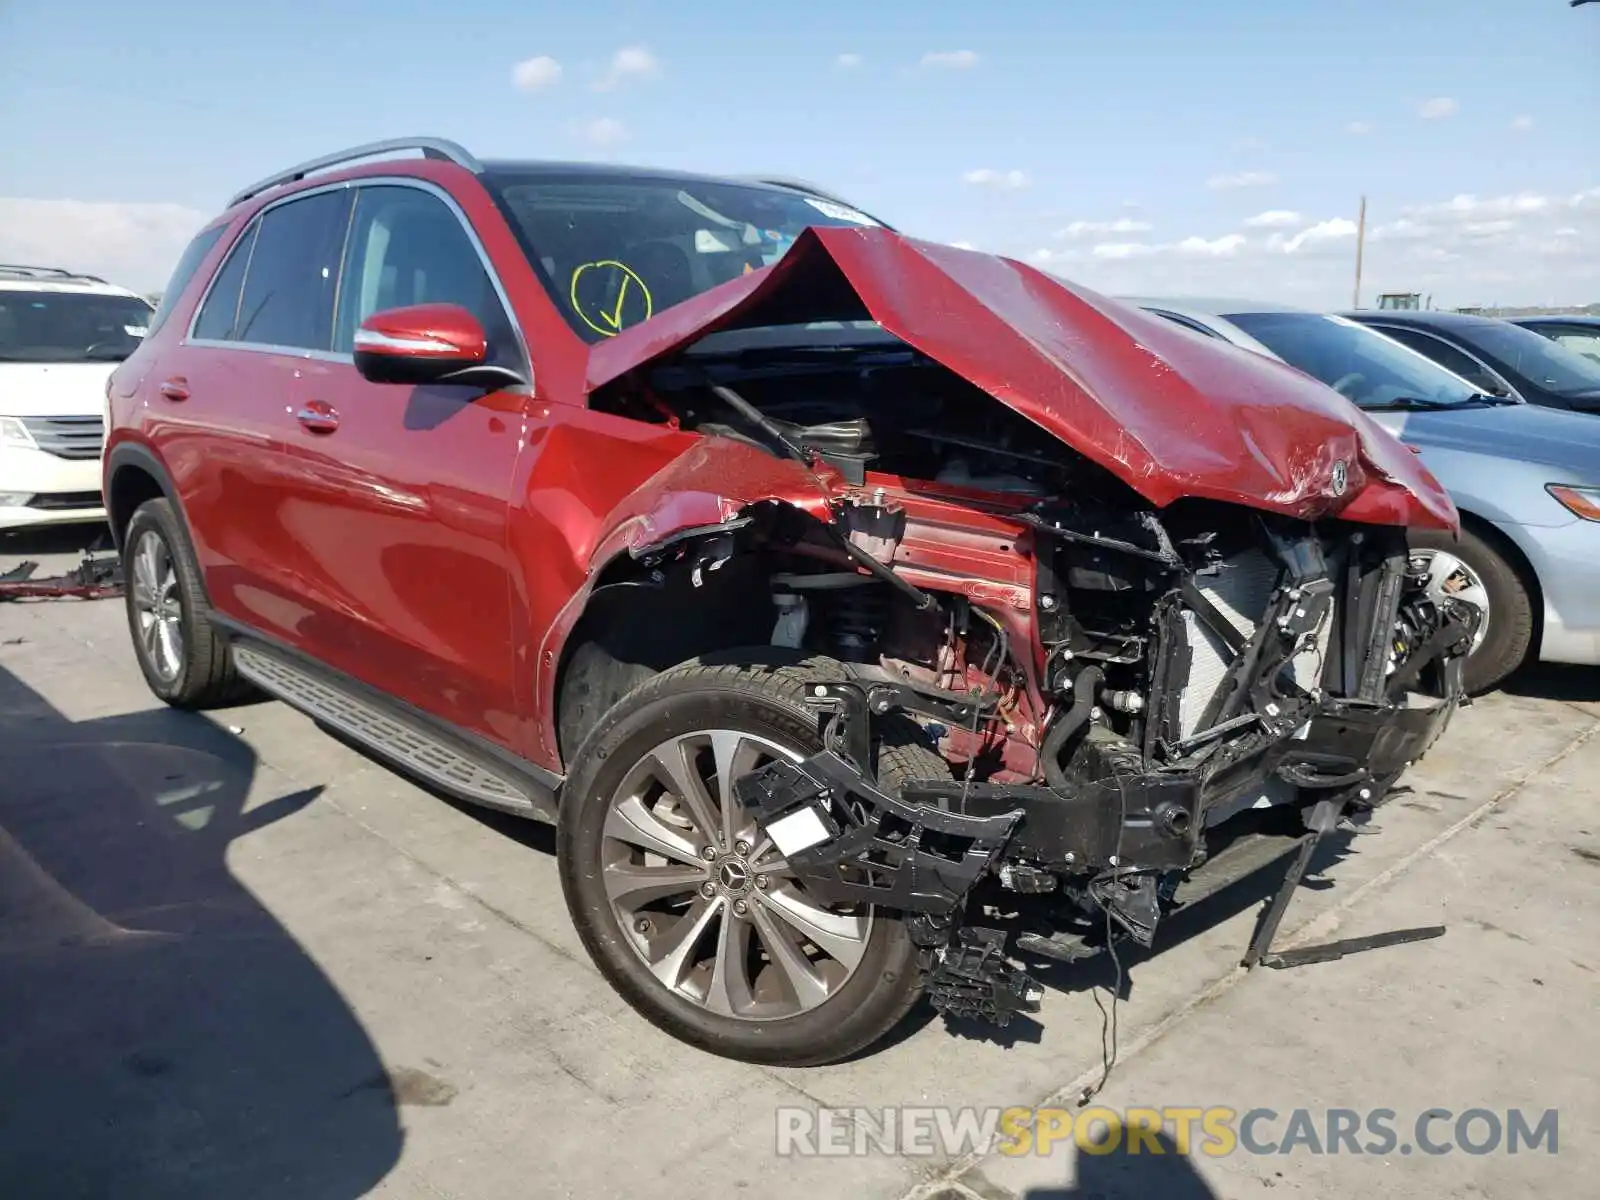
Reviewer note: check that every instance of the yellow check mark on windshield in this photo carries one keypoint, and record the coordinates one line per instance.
(614, 318)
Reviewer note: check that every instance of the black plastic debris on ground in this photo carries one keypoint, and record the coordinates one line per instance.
(95, 578)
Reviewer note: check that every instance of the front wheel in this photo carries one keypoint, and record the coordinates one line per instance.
(1473, 571)
(688, 909)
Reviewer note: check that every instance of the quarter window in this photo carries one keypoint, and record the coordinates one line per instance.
(407, 247)
(219, 313)
(193, 256)
(294, 272)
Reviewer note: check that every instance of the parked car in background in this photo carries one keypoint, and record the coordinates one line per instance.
(61, 335)
(574, 490)
(1576, 331)
(1496, 356)
(1525, 479)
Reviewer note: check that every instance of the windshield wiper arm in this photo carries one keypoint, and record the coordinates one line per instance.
(1421, 403)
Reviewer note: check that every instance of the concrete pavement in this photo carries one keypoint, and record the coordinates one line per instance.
(238, 958)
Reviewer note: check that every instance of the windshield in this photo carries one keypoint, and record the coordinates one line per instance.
(1356, 362)
(62, 327)
(1548, 364)
(614, 251)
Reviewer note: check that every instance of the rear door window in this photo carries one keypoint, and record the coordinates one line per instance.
(1582, 341)
(1451, 359)
(294, 273)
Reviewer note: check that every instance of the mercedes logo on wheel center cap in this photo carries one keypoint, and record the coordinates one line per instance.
(733, 875)
(1340, 479)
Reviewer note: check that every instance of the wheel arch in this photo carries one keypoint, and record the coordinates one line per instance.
(1506, 545)
(134, 475)
(661, 607)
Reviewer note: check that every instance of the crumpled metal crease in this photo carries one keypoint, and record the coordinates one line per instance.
(1171, 413)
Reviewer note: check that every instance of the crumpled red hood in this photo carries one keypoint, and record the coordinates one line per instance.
(1172, 413)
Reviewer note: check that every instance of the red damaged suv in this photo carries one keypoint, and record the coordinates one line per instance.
(870, 616)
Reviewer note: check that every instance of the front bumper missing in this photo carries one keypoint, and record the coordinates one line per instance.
(1117, 840)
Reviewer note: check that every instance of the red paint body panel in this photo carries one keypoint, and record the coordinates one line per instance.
(443, 550)
(1171, 414)
(400, 517)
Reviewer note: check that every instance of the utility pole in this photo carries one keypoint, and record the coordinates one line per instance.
(1361, 245)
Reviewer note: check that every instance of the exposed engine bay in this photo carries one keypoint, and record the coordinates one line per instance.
(1120, 692)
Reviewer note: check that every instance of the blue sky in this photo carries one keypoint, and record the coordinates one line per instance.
(1156, 146)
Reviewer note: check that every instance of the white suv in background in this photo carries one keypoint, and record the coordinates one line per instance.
(61, 336)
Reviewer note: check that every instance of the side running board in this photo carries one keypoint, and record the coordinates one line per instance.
(436, 758)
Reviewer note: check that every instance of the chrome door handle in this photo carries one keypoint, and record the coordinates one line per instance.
(318, 417)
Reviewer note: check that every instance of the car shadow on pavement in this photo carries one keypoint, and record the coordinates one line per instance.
(1121, 1174)
(161, 1034)
(1556, 681)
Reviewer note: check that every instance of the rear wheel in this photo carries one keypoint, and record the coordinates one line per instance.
(183, 660)
(688, 909)
(1474, 571)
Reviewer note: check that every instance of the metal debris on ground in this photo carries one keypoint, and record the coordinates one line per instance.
(95, 578)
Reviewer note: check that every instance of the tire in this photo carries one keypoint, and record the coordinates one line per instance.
(1507, 637)
(184, 661)
(767, 1009)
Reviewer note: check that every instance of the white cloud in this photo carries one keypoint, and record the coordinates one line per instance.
(536, 74)
(1323, 231)
(1438, 107)
(989, 177)
(1359, 128)
(847, 62)
(134, 245)
(602, 133)
(1520, 248)
(1241, 179)
(1522, 124)
(1124, 250)
(1276, 218)
(1216, 247)
(1078, 229)
(953, 60)
(1470, 207)
(629, 64)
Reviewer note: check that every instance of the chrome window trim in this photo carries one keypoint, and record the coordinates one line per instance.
(421, 185)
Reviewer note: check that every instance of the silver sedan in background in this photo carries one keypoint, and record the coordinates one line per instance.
(1526, 479)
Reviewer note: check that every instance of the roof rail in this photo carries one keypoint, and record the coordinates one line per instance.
(436, 148)
(19, 271)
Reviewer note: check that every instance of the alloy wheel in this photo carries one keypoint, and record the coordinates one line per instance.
(705, 900)
(1449, 577)
(156, 606)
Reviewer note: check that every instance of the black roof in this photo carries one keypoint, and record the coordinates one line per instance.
(1421, 319)
(1589, 319)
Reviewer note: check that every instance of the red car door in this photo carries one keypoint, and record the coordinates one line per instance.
(399, 494)
(216, 403)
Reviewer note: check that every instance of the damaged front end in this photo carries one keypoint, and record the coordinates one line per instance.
(1148, 598)
(1197, 677)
